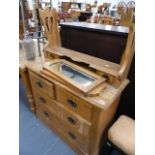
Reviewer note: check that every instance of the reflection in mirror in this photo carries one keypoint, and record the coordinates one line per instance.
(74, 74)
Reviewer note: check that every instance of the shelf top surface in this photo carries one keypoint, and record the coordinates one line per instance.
(97, 27)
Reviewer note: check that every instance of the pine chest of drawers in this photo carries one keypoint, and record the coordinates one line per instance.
(79, 120)
(79, 114)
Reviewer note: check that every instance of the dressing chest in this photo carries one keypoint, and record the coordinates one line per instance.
(74, 94)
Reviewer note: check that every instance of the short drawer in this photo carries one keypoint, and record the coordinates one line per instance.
(42, 85)
(72, 120)
(74, 103)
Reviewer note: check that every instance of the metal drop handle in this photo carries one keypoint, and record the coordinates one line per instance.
(71, 120)
(46, 114)
(42, 100)
(72, 135)
(71, 103)
(39, 84)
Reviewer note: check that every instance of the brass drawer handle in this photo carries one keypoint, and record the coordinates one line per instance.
(72, 135)
(71, 120)
(39, 84)
(46, 114)
(71, 103)
(42, 100)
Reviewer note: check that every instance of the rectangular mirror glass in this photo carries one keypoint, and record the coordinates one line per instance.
(79, 77)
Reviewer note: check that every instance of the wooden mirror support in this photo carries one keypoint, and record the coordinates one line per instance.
(128, 54)
(49, 19)
(114, 73)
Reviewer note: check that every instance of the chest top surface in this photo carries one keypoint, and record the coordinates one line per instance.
(103, 100)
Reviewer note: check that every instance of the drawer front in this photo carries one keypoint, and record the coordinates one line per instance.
(43, 100)
(74, 138)
(72, 120)
(49, 112)
(51, 122)
(42, 85)
(74, 103)
(45, 119)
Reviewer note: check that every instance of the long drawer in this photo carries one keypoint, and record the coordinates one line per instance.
(72, 120)
(39, 83)
(73, 137)
(74, 103)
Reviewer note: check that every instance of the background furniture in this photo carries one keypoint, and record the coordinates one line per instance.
(75, 14)
(84, 15)
(108, 21)
(88, 7)
(65, 6)
(121, 7)
(102, 41)
(126, 18)
(131, 6)
(126, 12)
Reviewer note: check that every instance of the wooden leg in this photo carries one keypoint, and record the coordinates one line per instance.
(26, 82)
